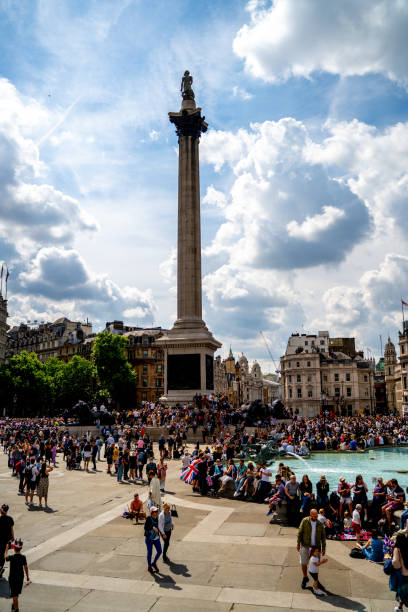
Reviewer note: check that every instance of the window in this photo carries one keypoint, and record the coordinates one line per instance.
(145, 354)
(310, 393)
(298, 364)
(144, 396)
(348, 391)
(366, 393)
(389, 371)
(298, 378)
(321, 341)
(365, 378)
(145, 369)
(159, 368)
(402, 349)
(145, 341)
(306, 342)
(405, 382)
(337, 391)
(309, 364)
(144, 383)
(290, 378)
(290, 393)
(159, 382)
(336, 378)
(348, 377)
(289, 364)
(299, 392)
(309, 378)
(325, 377)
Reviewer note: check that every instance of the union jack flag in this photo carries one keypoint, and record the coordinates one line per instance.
(188, 474)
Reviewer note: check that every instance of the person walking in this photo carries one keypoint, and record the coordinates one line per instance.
(310, 533)
(152, 538)
(6, 534)
(154, 490)
(43, 484)
(94, 452)
(161, 473)
(18, 565)
(166, 526)
(400, 562)
(31, 481)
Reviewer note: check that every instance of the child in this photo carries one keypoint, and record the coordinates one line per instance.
(18, 565)
(314, 564)
(347, 522)
(356, 522)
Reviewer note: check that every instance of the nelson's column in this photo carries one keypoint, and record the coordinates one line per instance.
(189, 346)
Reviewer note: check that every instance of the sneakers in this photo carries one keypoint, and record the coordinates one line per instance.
(304, 582)
(318, 592)
(237, 493)
(150, 570)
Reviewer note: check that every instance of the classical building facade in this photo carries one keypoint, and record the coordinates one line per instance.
(61, 339)
(3, 328)
(316, 378)
(235, 380)
(396, 373)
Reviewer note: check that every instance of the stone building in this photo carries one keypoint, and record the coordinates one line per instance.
(396, 373)
(61, 339)
(315, 378)
(234, 379)
(3, 328)
(147, 360)
(390, 363)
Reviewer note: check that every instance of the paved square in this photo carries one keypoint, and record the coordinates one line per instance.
(224, 555)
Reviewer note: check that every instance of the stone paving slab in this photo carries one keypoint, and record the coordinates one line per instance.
(262, 577)
(255, 530)
(163, 604)
(98, 601)
(46, 598)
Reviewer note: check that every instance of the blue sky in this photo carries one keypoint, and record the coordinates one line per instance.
(303, 170)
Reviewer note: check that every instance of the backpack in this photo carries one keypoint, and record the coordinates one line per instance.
(356, 553)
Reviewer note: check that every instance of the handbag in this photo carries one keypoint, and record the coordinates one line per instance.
(173, 511)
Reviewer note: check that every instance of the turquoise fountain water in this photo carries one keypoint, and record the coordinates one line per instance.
(371, 464)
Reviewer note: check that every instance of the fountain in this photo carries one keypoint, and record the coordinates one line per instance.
(309, 467)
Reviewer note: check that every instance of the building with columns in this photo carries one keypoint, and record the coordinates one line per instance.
(237, 381)
(396, 373)
(315, 377)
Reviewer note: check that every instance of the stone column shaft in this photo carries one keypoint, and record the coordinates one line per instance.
(189, 301)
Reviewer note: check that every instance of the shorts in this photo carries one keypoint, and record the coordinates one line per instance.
(304, 555)
(345, 500)
(315, 576)
(31, 485)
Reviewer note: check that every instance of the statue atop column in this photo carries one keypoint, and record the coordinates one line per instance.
(186, 89)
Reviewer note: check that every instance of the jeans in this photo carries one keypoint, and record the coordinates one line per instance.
(120, 472)
(99, 453)
(238, 483)
(403, 519)
(149, 546)
(305, 499)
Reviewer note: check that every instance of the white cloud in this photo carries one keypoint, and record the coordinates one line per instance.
(61, 275)
(240, 92)
(298, 37)
(284, 211)
(311, 229)
(214, 197)
(373, 162)
(154, 135)
(32, 211)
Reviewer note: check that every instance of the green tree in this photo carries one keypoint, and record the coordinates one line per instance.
(114, 371)
(78, 381)
(28, 385)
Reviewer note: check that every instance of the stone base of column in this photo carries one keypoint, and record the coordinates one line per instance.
(188, 362)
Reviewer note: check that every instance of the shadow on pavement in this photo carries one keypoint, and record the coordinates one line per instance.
(165, 581)
(179, 569)
(338, 601)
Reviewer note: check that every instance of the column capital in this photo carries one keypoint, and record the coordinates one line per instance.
(189, 123)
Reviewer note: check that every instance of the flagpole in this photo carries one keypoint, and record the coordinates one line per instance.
(1, 289)
(402, 308)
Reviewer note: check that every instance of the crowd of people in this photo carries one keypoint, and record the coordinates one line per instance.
(218, 465)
